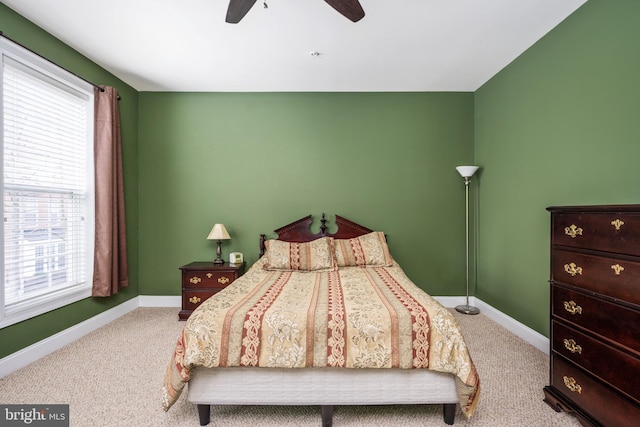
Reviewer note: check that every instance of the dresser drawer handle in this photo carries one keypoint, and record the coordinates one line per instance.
(573, 269)
(617, 224)
(572, 307)
(571, 345)
(617, 268)
(223, 280)
(572, 385)
(194, 300)
(573, 231)
(195, 280)
(209, 275)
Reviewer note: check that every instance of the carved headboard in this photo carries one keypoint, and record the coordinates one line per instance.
(300, 231)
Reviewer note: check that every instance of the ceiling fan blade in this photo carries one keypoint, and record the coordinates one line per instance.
(350, 9)
(237, 9)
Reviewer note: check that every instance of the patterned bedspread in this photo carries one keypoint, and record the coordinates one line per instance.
(354, 317)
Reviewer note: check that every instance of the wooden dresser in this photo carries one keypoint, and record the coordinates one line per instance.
(202, 279)
(595, 314)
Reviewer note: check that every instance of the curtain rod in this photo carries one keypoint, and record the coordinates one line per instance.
(2, 34)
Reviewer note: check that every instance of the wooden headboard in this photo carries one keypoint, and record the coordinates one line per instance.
(300, 231)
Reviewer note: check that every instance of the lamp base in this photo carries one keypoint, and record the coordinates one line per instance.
(467, 309)
(218, 260)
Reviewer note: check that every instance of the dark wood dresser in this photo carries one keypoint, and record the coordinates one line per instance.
(595, 314)
(202, 279)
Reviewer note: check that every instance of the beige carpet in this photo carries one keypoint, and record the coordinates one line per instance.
(113, 377)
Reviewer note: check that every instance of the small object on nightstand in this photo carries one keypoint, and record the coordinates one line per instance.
(200, 280)
(236, 258)
(218, 233)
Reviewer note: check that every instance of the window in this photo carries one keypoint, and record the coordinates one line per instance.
(47, 179)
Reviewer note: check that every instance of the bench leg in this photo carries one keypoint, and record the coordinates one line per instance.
(449, 412)
(204, 412)
(327, 415)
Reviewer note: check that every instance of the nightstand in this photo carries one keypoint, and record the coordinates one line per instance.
(200, 280)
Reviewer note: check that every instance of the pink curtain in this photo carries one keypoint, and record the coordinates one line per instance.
(110, 270)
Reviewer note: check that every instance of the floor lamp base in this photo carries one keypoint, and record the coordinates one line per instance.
(467, 309)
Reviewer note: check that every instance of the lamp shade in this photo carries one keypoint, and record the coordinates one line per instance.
(218, 232)
(467, 171)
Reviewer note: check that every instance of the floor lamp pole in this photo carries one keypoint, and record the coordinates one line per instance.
(467, 172)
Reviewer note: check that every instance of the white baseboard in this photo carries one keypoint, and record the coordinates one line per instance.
(27, 355)
(40, 349)
(534, 338)
(160, 301)
(451, 302)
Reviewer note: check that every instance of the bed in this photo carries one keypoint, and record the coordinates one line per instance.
(322, 319)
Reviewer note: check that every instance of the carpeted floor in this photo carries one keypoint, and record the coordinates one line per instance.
(113, 377)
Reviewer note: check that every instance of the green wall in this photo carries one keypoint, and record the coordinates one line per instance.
(558, 126)
(258, 161)
(23, 334)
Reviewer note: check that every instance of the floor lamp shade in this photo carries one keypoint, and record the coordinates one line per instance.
(467, 172)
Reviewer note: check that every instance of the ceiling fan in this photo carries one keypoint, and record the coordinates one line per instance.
(350, 9)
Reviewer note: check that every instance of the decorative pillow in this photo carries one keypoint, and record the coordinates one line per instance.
(367, 250)
(317, 255)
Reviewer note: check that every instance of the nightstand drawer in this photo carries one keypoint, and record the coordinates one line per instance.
(595, 315)
(192, 299)
(589, 353)
(207, 279)
(604, 231)
(602, 403)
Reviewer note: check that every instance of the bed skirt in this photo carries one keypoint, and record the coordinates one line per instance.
(319, 386)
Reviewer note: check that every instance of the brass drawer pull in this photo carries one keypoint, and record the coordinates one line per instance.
(571, 345)
(209, 275)
(573, 269)
(195, 280)
(223, 280)
(617, 268)
(194, 300)
(572, 307)
(572, 385)
(617, 224)
(573, 231)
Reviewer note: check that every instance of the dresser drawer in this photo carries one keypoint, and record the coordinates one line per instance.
(612, 321)
(599, 401)
(610, 231)
(613, 277)
(607, 363)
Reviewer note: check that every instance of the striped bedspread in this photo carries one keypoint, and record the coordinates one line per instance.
(354, 317)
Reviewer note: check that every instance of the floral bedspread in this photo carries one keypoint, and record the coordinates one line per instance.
(355, 317)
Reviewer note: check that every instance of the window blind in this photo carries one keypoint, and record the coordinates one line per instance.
(45, 177)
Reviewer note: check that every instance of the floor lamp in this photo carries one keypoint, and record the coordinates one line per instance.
(467, 172)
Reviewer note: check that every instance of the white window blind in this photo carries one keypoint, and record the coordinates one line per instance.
(47, 136)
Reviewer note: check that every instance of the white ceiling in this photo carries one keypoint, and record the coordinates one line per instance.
(400, 45)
